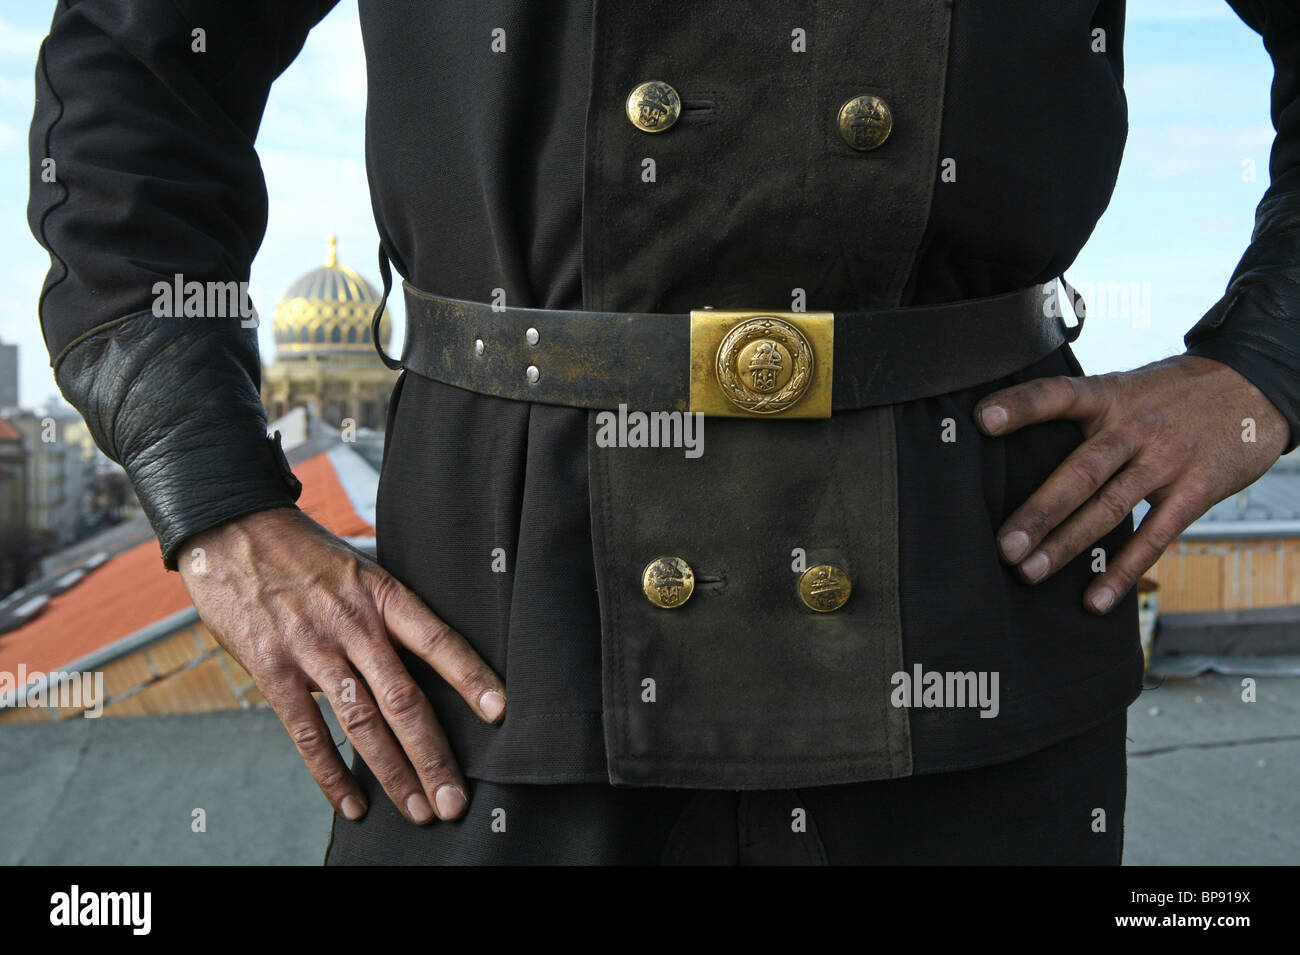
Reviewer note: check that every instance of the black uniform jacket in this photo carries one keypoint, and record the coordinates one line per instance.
(476, 159)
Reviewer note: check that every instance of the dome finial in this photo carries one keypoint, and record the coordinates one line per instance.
(332, 259)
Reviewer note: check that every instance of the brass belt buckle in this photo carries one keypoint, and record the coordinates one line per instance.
(761, 364)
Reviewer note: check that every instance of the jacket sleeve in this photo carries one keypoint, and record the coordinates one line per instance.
(143, 171)
(1255, 327)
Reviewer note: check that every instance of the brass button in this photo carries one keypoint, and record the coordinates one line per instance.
(866, 121)
(653, 107)
(668, 582)
(824, 588)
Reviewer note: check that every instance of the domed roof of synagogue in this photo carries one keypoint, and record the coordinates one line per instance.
(327, 312)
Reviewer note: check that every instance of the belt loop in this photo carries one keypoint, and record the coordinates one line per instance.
(387, 273)
(1078, 306)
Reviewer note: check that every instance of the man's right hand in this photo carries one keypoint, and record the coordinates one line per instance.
(302, 610)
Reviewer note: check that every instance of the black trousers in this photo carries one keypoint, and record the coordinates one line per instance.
(1063, 805)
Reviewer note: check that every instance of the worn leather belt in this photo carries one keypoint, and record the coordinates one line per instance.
(752, 363)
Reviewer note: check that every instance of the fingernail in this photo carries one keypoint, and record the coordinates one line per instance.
(493, 704)
(1102, 600)
(1036, 567)
(1014, 545)
(451, 802)
(353, 808)
(993, 417)
(418, 808)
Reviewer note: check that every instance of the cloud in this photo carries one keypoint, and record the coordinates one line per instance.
(1177, 82)
(1184, 151)
(321, 98)
(1162, 11)
(337, 41)
(18, 41)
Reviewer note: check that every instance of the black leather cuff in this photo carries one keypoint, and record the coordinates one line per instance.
(175, 401)
(1255, 327)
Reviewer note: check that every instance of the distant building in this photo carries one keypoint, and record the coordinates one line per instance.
(14, 552)
(61, 460)
(324, 356)
(8, 376)
(1244, 553)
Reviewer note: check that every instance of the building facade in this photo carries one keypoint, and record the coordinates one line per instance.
(8, 376)
(14, 553)
(61, 458)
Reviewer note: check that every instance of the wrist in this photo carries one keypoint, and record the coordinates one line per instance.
(233, 538)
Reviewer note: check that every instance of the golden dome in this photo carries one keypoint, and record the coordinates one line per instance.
(328, 312)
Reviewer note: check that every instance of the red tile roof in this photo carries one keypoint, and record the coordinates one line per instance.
(8, 432)
(132, 590)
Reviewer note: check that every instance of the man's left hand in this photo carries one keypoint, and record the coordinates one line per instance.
(1184, 433)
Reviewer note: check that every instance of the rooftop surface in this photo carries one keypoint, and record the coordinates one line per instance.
(1212, 780)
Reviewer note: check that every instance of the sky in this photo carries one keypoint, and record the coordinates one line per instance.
(1197, 81)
